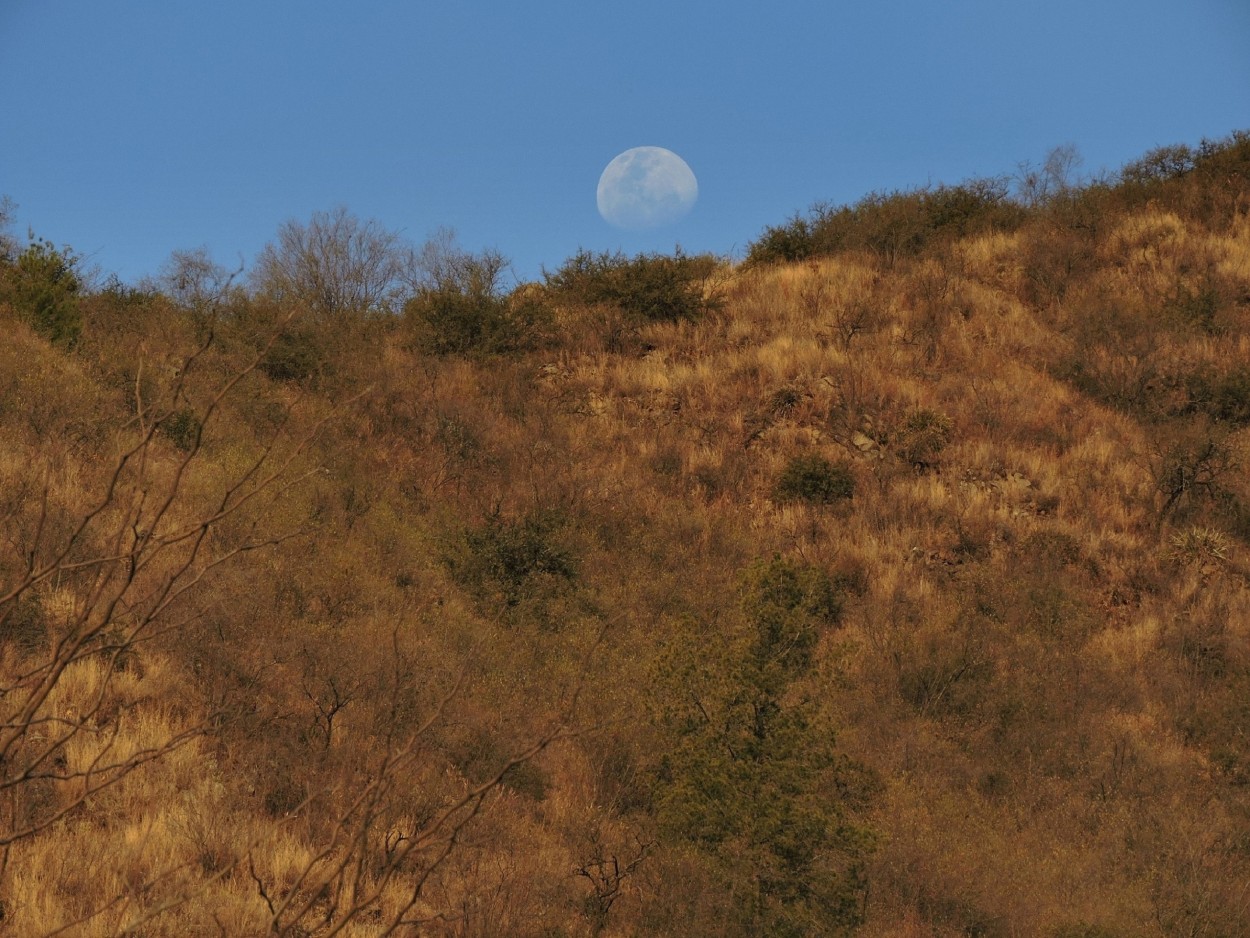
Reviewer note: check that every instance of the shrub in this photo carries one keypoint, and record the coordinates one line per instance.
(295, 355)
(944, 673)
(892, 225)
(511, 559)
(480, 755)
(1045, 185)
(194, 281)
(1049, 551)
(1159, 165)
(751, 782)
(1199, 545)
(786, 603)
(812, 478)
(1084, 931)
(182, 427)
(8, 244)
(296, 347)
(1225, 397)
(460, 306)
(1198, 307)
(44, 287)
(795, 240)
(451, 321)
(1056, 256)
(924, 435)
(23, 625)
(652, 287)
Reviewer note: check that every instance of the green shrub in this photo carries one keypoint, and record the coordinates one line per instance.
(44, 287)
(295, 354)
(461, 306)
(652, 287)
(750, 781)
(787, 603)
(794, 240)
(513, 560)
(812, 478)
(449, 321)
(299, 348)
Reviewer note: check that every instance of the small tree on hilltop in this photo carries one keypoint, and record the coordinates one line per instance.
(44, 287)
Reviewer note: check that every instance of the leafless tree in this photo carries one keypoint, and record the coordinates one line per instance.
(1037, 185)
(606, 873)
(336, 265)
(441, 264)
(194, 280)
(8, 244)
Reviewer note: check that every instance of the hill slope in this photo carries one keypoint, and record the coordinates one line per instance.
(901, 591)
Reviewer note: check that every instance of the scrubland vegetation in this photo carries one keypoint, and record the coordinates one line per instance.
(890, 583)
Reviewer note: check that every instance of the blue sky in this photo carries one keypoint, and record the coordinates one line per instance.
(130, 129)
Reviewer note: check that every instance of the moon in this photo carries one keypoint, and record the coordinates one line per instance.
(646, 187)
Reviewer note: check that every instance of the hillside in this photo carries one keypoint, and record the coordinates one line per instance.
(891, 583)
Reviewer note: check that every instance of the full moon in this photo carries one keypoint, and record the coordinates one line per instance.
(646, 187)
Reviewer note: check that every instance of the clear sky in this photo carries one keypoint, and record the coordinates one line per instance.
(132, 128)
